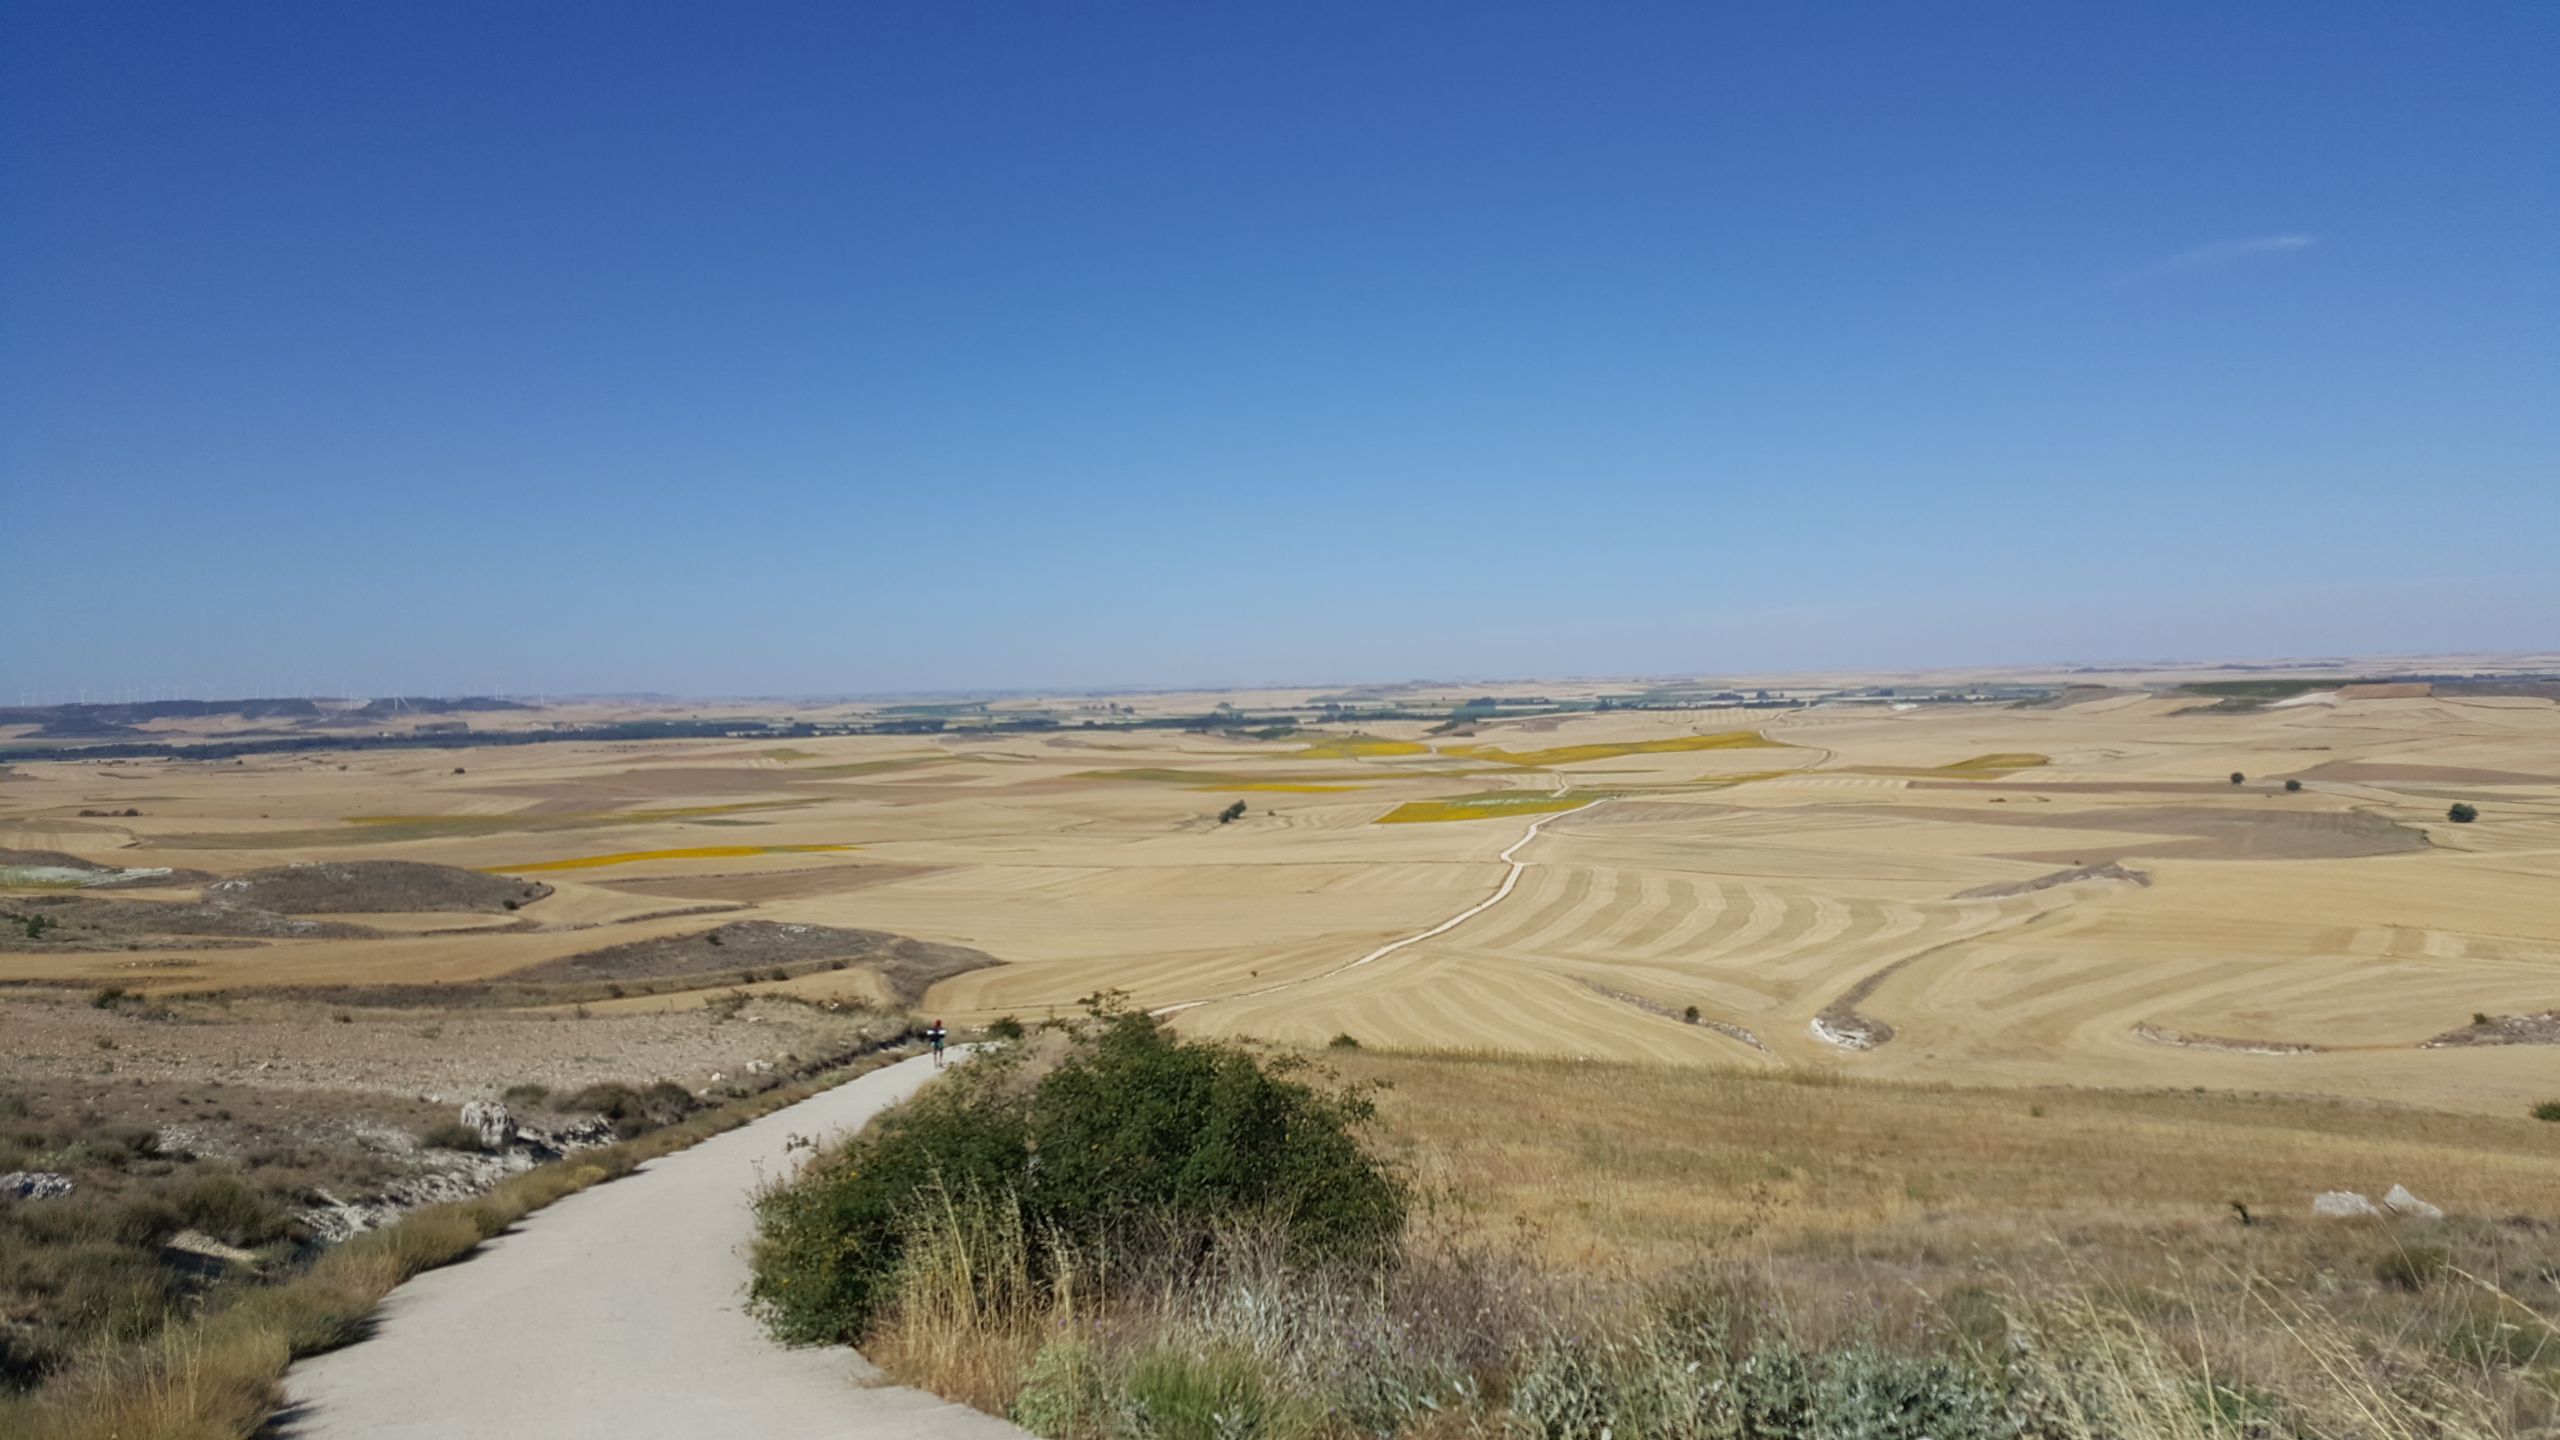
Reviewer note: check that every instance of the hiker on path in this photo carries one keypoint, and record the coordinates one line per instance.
(936, 1034)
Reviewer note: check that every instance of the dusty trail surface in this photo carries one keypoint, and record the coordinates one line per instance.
(619, 1311)
(1510, 882)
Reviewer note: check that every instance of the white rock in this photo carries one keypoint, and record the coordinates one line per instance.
(2343, 1205)
(34, 1185)
(205, 1247)
(495, 1123)
(2401, 1202)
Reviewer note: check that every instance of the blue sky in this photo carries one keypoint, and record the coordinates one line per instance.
(845, 348)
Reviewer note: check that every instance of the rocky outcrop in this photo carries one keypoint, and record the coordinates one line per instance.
(34, 1185)
(492, 1121)
(2400, 1202)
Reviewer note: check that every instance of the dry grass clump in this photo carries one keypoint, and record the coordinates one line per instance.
(88, 1267)
(1640, 1163)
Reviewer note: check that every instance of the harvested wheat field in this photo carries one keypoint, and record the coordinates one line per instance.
(2062, 890)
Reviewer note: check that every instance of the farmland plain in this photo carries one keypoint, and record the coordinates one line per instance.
(2071, 890)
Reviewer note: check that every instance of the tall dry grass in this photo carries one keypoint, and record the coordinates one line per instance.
(1625, 1251)
(1219, 1335)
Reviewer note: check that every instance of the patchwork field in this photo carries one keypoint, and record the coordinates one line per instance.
(2071, 891)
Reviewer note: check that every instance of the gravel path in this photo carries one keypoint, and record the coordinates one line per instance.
(619, 1311)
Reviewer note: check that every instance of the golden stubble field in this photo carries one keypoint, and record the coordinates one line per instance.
(1850, 888)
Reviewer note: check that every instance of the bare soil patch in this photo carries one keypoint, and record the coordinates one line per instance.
(2542, 1029)
(2071, 787)
(2219, 834)
(1652, 812)
(751, 886)
(2384, 772)
(674, 782)
(2072, 876)
(280, 1040)
(2163, 1035)
(906, 966)
(90, 875)
(2199, 832)
(374, 886)
(82, 923)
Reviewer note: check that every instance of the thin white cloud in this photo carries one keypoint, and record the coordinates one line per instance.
(2220, 252)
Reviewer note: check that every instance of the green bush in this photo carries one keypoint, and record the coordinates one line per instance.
(828, 1243)
(1134, 1130)
(2547, 1110)
(1138, 1124)
(1173, 1395)
(1066, 1392)
(2462, 814)
(1005, 1027)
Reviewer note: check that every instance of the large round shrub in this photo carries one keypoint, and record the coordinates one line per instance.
(1132, 1128)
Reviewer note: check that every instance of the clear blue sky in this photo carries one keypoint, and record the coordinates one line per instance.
(770, 348)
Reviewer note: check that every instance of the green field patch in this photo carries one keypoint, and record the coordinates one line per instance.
(2270, 689)
(873, 767)
(1490, 805)
(1989, 766)
(632, 857)
(1726, 782)
(786, 753)
(1357, 747)
(1315, 784)
(391, 829)
(1611, 750)
(1980, 767)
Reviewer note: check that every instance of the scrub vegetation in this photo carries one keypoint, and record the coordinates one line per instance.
(1804, 1274)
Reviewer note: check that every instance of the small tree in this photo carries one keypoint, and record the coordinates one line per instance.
(1690, 1014)
(2461, 814)
(2293, 787)
(2237, 777)
(1232, 813)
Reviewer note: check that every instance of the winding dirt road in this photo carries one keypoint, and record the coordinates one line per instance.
(1510, 879)
(619, 1311)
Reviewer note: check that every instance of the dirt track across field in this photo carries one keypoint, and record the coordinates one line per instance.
(621, 1311)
